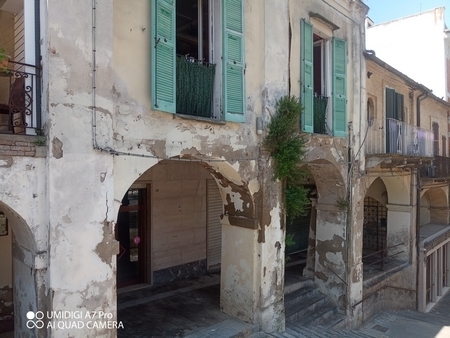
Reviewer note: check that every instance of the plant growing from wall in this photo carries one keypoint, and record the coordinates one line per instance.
(4, 58)
(286, 146)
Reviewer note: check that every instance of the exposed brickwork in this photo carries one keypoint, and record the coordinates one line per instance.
(21, 145)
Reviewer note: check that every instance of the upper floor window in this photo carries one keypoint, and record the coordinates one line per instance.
(192, 72)
(435, 127)
(444, 146)
(394, 105)
(323, 82)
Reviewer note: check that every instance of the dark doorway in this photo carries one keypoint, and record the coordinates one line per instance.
(130, 232)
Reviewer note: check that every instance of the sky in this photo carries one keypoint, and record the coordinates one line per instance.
(387, 10)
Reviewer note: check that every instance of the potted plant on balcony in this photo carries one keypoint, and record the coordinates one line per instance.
(4, 59)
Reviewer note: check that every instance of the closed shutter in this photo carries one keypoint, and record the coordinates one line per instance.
(163, 55)
(214, 226)
(339, 87)
(307, 76)
(234, 64)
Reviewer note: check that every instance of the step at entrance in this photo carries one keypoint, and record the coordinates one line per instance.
(306, 306)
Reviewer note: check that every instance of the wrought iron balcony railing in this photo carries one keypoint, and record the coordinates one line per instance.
(439, 168)
(398, 137)
(19, 99)
(195, 83)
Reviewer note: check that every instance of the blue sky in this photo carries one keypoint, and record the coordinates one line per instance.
(386, 10)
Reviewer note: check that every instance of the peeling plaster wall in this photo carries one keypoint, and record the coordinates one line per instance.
(23, 200)
(230, 151)
(396, 291)
(80, 188)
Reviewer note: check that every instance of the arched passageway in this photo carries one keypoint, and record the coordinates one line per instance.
(171, 225)
(21, 278)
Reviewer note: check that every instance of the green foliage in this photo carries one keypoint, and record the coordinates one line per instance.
(342, 203)
(4, 57)
(40, 141)
(290, 240)
(285, 144)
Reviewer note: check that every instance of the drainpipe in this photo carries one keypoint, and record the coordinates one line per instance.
(419, 189)
(37, 58)
(420, 98)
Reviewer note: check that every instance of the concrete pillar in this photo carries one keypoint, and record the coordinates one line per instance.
(422, 292)
(252, 265)
(439, 271)
(330, 262)
(447, 265)
(399, 221)
(308, 271)
(433, 277)
(81, 211)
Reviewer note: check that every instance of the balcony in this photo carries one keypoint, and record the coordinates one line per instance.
(398, 139)
(438, 169)
(195, 86)
(19, 101)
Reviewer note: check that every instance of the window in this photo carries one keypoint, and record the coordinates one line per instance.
(444, 146)
(185, 71)
(435, 127)
(320, 87)
(395, 128)
(394, 105)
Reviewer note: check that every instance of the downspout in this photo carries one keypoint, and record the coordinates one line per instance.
(418, 186)
(94, 75)
(37, 58)
(420, 98)
(419, 189)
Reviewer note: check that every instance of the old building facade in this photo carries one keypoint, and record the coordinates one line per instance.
(134, 155)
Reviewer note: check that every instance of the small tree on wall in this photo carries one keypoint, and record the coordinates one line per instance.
(286, 146)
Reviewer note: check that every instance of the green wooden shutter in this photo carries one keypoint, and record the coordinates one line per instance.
(163, 55)
(339, 87)
(390, 104)
(307, 76)
(234, 64)
(399, 103)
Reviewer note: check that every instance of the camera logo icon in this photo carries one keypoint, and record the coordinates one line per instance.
(35, 320)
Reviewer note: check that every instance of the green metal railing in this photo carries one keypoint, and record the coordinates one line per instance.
(320, 110)
(195, 83)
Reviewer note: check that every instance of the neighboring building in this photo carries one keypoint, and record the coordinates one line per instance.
(417, 45)
(406, 205)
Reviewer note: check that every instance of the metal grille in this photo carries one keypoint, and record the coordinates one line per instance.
(375, 225)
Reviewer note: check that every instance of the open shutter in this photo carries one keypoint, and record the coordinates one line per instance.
(234, 64)
(399, 102)
(163, 55)
(390, 104)
(307, 76)
(339, 87)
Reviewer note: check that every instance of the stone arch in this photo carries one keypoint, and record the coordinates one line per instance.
(329, 181)
(238, 225)
(23, 270)
(434, 206)
(237, 194)
(22, 232)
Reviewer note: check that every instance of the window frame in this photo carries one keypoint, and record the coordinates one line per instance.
(218, 14)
